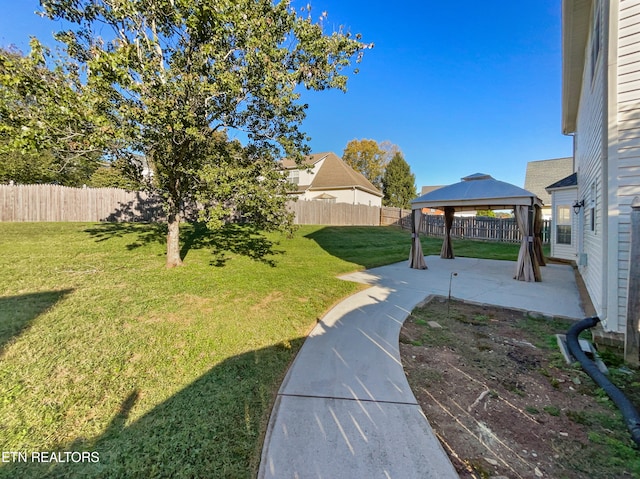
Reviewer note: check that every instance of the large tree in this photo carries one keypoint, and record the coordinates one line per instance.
(51, 130)
(176, 72)
(366, 157)
(398, 183)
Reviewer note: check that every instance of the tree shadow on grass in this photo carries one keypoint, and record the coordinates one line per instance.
(142, 233)
(18, 312)
(214, 426)
(243, 240)
(211, 428)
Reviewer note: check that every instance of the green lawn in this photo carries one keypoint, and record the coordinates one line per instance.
(163, 373)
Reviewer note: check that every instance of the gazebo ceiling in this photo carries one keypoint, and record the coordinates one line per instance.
(477, 192)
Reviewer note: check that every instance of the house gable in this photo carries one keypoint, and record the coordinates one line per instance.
(336, 174)
(325, 176)
(544, 172)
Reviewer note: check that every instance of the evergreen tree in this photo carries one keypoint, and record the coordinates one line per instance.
(398, 183)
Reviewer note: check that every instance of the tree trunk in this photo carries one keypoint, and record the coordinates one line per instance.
(173, 236)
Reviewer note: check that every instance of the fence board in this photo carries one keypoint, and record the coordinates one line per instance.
(62, 203)
(395, 216)
(480, 227)
(336, 214)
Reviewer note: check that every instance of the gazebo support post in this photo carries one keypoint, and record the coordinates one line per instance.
(416, 258)
(531, 240)
(537, 231)
(447, 247)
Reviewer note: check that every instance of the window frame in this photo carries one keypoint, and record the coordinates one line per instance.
(564, 226)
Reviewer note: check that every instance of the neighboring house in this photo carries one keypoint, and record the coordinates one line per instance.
(434, 211)
(565, 222)
(325, 177)
(541, 174)
(601, 108)
(431, 211)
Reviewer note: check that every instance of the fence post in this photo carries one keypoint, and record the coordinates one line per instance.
(632, 338)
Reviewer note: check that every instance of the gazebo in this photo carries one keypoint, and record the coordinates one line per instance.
(482, 192)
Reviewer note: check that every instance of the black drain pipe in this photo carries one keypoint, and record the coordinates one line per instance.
(629, 412)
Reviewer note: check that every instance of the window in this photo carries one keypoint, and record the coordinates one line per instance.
(294, 177)
(563, 224)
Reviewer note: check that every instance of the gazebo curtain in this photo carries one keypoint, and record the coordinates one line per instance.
(447, 248)
(416, 258)
(537, 233)
(527, 268)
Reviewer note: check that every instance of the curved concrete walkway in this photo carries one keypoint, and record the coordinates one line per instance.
(345, 409)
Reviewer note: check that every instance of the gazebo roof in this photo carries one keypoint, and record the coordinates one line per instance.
(477, 192)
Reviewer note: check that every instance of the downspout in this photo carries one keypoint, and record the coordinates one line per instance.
(629, 412)
(615, 321)
(603, 205)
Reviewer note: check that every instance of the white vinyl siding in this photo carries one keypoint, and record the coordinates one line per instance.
(346, 195)
(627, 184)
(589, 165)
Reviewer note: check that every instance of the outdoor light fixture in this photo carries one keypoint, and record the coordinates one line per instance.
(449, 297)
(577, 205)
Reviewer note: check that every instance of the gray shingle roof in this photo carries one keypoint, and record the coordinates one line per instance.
(288, 164)
(541, 174)
(571, 180)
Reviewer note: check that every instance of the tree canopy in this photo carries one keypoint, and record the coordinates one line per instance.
(50, 129)
(176, 73)
(398, 183)
(486, 213)
(367, 157)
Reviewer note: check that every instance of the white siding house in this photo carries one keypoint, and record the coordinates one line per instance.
(325, 177)
(565, 241)
(601, 109)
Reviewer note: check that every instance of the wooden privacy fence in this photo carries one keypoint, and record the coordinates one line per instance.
(337, 214)
(470, 227)
(480, 227)
(62, 203)
(395, 216)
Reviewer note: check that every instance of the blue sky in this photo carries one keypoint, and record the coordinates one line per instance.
(461, 87)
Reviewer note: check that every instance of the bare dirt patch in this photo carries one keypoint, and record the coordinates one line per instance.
(504, 403)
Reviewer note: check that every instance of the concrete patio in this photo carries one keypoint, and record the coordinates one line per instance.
(345, 409)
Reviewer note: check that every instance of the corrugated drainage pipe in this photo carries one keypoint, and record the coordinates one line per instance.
(629, 412)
